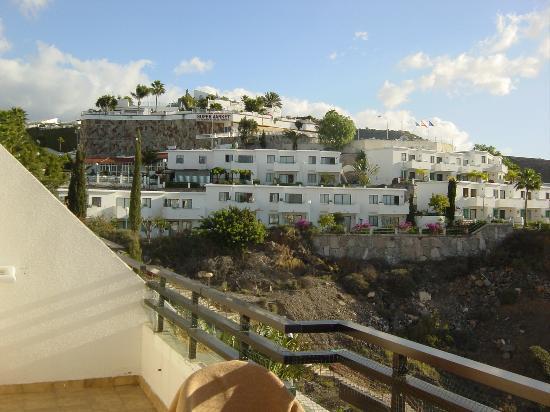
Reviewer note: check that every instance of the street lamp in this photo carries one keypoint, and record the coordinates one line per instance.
(387, 126)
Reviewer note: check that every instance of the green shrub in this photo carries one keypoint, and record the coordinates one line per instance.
(542, 358)
(326, 222)
(508, 297)
(134, 246)
(430, 331)
(400, 283)
(233, 228)
(356, 283)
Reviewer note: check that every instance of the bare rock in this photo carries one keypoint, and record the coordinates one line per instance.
(424, 296)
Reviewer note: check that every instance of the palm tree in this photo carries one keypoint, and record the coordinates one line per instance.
(106, 102)
(157, 88)
(529, 180)
(363, 169)
(60, 140)
(272, 99)
(141, 92)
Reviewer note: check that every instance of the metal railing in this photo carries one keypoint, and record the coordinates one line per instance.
(402, 384)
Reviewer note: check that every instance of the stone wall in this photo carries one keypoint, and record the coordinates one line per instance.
(403, 247)
(115, 137)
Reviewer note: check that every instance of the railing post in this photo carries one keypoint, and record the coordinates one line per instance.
(160, 319)
(243, 347)
(399, 372)
(194, 324)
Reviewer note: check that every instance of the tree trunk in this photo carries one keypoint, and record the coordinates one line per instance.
(525, 217)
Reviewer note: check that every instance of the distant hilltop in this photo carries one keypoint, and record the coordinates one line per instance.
(541, 166)
(387, 135)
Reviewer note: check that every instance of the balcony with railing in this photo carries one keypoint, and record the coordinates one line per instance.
(393, 381)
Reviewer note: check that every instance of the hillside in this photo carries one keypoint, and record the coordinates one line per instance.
(381, 134)
(542, 166)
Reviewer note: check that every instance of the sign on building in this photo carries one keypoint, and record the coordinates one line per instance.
(214, 116)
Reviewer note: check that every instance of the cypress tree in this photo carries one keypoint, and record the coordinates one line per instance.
(451, 195)
(134, 218)
(77, 199)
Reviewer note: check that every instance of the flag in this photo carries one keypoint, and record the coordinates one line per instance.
(430, 123)
(423, 123)
(416, 124)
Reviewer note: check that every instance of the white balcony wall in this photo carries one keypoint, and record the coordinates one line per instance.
(75, 310)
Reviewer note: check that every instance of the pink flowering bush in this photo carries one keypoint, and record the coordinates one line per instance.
(302, 224)
(435, 228)
(361, 228)
(405, 226)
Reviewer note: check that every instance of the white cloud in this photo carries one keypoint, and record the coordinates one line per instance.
(393, 95)
(333, 56)
(490, 69)
(4, 43)
(416, 61)
(52, 83)
(31, 8)
(361, 35)
(195, 65)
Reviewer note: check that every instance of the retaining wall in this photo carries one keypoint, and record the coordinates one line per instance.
(403, 247)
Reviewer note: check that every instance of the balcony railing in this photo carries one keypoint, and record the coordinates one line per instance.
(405, 390)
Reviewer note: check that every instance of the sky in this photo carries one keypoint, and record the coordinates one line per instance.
(478, 70)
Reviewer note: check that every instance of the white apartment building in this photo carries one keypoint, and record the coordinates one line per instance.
(486, 201)
(267, 166)
(407, 163)
(272, 204)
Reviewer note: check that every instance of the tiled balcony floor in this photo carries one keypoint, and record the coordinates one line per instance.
(110, 399)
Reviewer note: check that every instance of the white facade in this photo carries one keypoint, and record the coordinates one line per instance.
(268, 166)
(273, 205)
(407, 163)
(486, 201)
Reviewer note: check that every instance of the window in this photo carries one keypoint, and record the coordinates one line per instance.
(270, 158)
(439, 159)
(403, 157)
(373, 199)
(273, 219)
(495, 194)
(293, 198)
(274, 197)
(286, 179)
(123, 202)
(223, 196)
(96, 201)
(432, 176)
(202, 160)
(269, 177)
(324, 198)
(523, 194)
(473, 193)
(243, 197)
(465, 162)
(548, 195)
(529, 195)
(439, 177)
(503, 194)
(174, 203)
(179, 159)
(390, 221)
(228, 158)
(495, 213)
(328, 160)
(432, 159)
(458, 161)
(146, 202)
(412, 157)
(311, 179)
(373, 220)
(483, 159)
(187, 203)
(312, 160)
(547, 213)
(390, 200)
(465, 192)
(286, 159)
(245, 159)
(342, 199)
(412, 175)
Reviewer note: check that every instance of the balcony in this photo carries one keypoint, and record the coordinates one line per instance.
(375, 386)
(352, 208)
(286, 167)
(285, 207)
(325, 168)
(182, 213)
(445, 167)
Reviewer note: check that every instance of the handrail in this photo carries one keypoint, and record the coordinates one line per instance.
(509, 382)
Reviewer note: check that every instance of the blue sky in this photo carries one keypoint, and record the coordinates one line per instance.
(479, 70)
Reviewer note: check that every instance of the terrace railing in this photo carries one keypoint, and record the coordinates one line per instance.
(407, 392)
